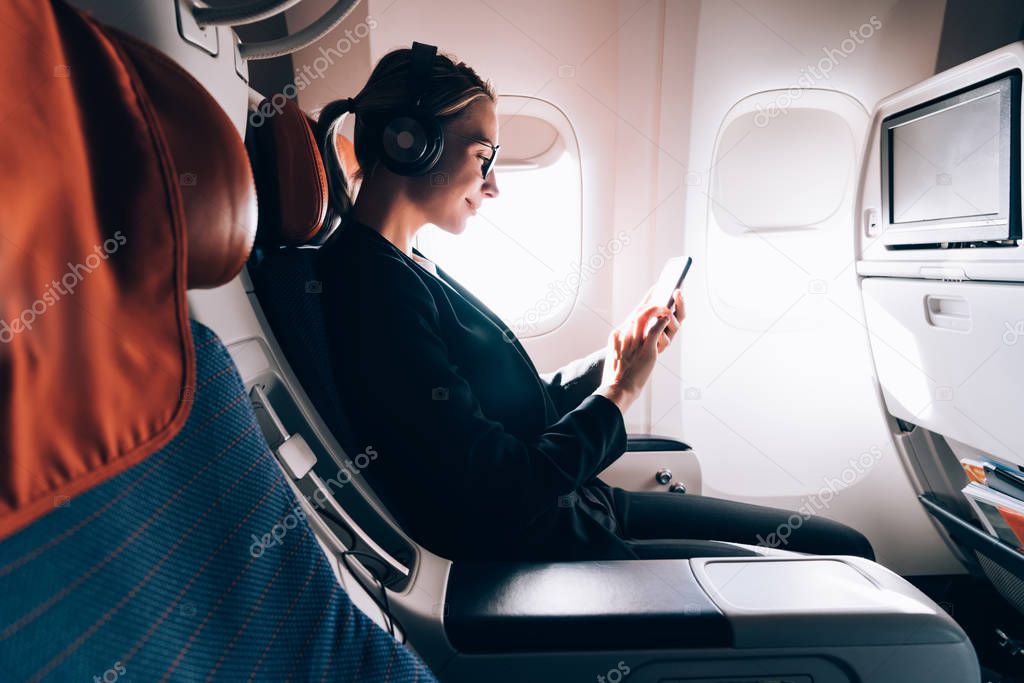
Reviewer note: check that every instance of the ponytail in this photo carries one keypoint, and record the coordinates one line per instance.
(339, 195)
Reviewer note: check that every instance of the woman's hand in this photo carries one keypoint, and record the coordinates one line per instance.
(631, 354)
(678, 314)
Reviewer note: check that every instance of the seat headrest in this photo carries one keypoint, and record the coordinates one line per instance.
(291, 182)
(214, 177)
(122, 183)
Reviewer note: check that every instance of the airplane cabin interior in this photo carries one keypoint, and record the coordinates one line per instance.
(187, 488)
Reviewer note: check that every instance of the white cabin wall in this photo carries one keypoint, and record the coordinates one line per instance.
(717, 53)
(641, 157)
(659, 160)
(746, 47)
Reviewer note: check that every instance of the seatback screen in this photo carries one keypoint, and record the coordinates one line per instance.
(947, 164)
(951, 167)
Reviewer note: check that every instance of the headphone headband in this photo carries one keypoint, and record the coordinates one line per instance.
(412, 141)
(421, 72)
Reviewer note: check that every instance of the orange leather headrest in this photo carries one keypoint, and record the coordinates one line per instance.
(124, 184)
(214, 177)
(291, 182)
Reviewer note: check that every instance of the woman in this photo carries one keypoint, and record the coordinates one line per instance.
(478, 455)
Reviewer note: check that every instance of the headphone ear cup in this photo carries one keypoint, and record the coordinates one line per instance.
(411, 143)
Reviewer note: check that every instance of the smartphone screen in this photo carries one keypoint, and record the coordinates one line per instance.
(671, 279)
(672, 275)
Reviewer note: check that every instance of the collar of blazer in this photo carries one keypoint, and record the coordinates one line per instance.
(453, 284)
(549, 407)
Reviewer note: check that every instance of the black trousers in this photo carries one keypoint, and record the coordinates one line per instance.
(673, 525)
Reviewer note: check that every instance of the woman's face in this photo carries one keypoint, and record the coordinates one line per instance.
(456, 188)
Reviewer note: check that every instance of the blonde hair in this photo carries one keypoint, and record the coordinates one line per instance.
(454, 85)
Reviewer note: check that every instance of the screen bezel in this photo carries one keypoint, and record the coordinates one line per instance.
(1006, 224)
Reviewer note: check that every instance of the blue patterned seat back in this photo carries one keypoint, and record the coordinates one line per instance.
(168, 571)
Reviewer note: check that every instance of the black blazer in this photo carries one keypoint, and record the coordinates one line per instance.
(477, 455)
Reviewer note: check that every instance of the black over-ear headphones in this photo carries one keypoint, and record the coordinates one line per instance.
(409, 142)
(412, 140)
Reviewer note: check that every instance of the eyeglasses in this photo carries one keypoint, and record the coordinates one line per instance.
(489, 162)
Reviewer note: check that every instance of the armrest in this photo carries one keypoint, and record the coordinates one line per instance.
(652, 442)
(791, 617)
(574, 606)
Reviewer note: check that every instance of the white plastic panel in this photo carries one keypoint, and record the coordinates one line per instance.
(801, 586)
(635, 471)
(950, 357)
(829, 600)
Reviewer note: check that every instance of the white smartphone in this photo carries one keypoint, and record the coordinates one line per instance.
(672, 275)
(671, 279)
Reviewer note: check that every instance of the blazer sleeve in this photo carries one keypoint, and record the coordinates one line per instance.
(571, 384)
(410, 376)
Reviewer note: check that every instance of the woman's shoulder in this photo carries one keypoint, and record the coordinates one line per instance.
(359, 259)
(355, 244)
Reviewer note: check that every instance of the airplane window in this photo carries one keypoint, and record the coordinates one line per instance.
(810, 157)
(781, 202)
(521, 253)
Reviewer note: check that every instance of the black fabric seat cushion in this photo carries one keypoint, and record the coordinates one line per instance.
(289, 292)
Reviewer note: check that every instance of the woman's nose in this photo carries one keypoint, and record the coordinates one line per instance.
(491, 185)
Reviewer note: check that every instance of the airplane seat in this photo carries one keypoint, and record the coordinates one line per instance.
(291, 183)
(294, 220)
(145, 528)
